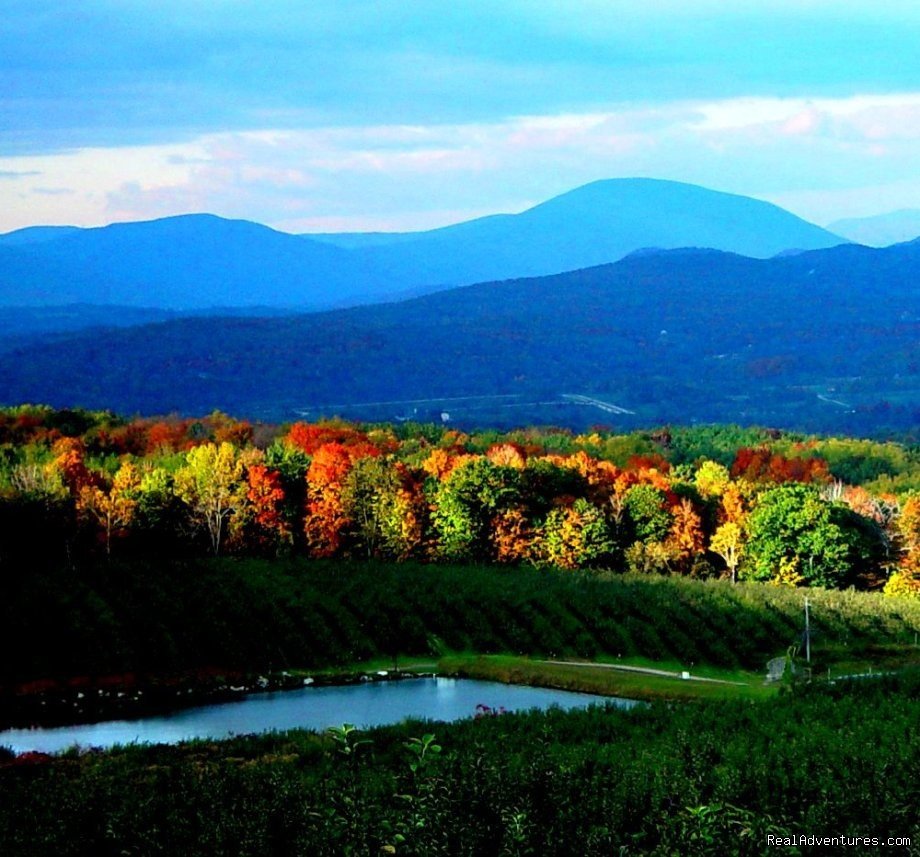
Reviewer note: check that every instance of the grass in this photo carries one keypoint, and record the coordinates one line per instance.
(874, 658)
(597, 676)
(602, 680)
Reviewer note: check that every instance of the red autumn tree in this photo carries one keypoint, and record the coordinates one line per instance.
(265, 497)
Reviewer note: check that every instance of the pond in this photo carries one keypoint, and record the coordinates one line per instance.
(374, 703)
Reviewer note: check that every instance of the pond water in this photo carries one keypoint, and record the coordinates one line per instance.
(370, 704)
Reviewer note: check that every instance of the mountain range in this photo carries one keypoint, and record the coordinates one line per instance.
(204, 262)
(822, 340)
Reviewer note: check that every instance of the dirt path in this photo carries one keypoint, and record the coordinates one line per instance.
(644, 671)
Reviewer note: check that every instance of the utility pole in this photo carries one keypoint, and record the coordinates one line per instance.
(807, 634)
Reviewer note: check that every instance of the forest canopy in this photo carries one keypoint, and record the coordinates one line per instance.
(741, 503)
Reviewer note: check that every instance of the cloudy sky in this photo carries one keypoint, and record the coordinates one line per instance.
(314, 115)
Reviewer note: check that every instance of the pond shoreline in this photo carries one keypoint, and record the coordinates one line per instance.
(366, 704)
(52, 703)
(83, 700)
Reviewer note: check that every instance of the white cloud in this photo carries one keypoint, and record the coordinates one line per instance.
(825, 158)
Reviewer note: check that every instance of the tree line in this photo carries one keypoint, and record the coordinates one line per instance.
(772, 508)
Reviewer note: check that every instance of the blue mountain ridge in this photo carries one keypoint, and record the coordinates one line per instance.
(200, 260)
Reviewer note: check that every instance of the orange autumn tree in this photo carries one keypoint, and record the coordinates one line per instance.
(439, 463)
(512, 536)
(685, 538)
(762, 465)
(326, 524)
(309, 437)
(69, 463)
(507, 455)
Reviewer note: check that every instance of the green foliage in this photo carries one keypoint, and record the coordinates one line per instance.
(465, 503)
(648, 515)
(793, 524)
(292, 463)
(345, 740)
(169, 616)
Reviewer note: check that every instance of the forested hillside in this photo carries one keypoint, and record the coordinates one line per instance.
(822, 341)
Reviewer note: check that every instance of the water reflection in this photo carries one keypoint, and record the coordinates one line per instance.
(369, 704)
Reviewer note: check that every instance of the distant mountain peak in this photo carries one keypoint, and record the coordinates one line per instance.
(189, 261)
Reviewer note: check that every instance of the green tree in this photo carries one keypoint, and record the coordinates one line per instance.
(378, 503)
(792, 525)
(648, 513)
(465, 503)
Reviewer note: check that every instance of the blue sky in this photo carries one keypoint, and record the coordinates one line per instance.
(350, 114)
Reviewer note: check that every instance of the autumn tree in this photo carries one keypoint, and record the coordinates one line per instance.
(728, 542)
(507, 455)
(69, 462)
(685, 537)
(268, 527)
(112, 507)
(711, 479)
(576, 536)
(211, 484)
(905, 578)
(512, 536)
(327, 522)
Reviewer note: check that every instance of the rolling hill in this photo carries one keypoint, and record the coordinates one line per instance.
(202, 261)
(822, 340)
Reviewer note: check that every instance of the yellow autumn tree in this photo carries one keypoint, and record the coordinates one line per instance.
(211, 485)
(728, 542)
(112, 508)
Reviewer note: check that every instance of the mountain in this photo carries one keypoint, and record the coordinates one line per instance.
(190, 261)
(824, 340)
(203, 261)
(35, 235)
(881, 230)
(597, 223)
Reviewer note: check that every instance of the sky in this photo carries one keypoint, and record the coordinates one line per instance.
(357, 115)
